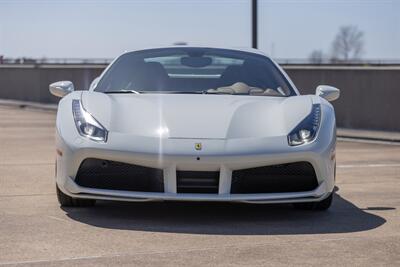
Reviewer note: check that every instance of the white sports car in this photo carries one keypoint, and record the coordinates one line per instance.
(195, 124)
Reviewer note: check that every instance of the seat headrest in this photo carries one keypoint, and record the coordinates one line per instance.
(231, 75)
(150, 76)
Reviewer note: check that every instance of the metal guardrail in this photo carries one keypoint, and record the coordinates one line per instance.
(375, 62)
(63, 61)
(106, 61)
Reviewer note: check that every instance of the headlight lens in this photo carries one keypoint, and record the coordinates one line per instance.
(86, 125)
(307, 130)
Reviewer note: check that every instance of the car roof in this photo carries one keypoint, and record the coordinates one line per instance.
(241, 49)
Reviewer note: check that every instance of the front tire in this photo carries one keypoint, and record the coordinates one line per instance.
(321, 205)
(67, 201)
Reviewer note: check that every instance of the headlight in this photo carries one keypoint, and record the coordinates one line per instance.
(307, 130)
(86, 125)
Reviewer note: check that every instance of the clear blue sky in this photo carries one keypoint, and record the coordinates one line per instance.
(287, 29)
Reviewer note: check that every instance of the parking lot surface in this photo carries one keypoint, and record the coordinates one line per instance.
(362, 228)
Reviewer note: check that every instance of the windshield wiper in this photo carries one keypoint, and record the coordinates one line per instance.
(122, 92)
(204, 92)
(184, 92)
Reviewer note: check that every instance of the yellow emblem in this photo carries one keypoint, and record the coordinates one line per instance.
(197, 146)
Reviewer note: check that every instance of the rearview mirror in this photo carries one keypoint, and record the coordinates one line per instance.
(327, 92)
(196, 62)
(61, 89)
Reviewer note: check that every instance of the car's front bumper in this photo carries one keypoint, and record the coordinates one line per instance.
(171, 155)
(83, 192)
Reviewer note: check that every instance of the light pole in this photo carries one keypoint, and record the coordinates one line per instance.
(254, 36)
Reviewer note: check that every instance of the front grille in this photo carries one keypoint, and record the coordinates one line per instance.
(197, 181)
(291, 177)
(106, 174)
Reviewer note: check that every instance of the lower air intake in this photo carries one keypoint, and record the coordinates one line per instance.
(106, 174)
(197, 181)
(291, 177)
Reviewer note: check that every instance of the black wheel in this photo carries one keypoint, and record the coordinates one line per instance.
(321, 205)
(67, 201)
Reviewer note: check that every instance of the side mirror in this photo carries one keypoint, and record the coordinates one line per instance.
(61, 89)
(330, 93)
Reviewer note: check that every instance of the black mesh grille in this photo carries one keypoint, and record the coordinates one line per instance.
(197, 181)
(105, 174)
(291, 177)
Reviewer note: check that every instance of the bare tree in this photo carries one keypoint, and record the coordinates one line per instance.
(348, 44)
(316, 57)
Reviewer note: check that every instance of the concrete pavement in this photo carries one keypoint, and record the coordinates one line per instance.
(361, 228)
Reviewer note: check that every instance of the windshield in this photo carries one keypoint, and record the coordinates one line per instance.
(194, 70)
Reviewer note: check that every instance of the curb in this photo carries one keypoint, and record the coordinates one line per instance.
(28, 104)
(369, 135)
(367, 138)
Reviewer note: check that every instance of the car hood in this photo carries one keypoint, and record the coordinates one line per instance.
(197, 116)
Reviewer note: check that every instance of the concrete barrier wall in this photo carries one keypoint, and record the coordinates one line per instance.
(31, 83)
(369, 95)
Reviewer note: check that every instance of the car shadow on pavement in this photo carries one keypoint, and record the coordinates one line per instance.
(226, 218)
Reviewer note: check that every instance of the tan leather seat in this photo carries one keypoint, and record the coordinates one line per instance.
(240, 88)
